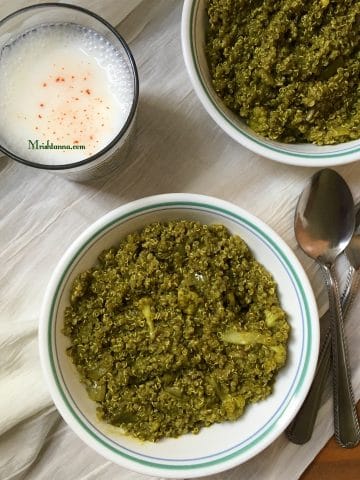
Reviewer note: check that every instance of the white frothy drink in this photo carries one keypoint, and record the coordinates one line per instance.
(62, 85)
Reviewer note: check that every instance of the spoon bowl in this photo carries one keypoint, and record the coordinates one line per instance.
(324, 218)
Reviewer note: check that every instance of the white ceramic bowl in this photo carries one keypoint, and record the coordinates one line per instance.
(220, 446)
(193, 29)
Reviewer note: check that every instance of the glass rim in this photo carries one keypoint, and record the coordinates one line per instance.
(131, 115)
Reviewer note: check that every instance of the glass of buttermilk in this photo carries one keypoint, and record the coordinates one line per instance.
(68, 91)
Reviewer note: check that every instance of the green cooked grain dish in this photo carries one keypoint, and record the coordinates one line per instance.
(177, 328)
(289, 68)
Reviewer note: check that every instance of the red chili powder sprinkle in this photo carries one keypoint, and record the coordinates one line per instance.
(91, 137)
(76, 141)
(88, 91)
(44, 84)
(39, 116)
(41, 104)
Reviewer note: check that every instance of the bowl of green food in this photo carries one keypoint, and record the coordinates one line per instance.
(281, 79)
(178, 335)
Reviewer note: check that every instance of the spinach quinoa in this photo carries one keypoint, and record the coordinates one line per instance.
(177, 328)
(289, 68)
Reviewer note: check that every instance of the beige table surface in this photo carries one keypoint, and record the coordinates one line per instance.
(178, 148)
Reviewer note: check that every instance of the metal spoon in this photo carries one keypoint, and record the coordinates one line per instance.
(324, 225)
(300, 429)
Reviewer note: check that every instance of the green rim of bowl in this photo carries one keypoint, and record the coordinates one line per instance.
(282, 151)
(299, 378)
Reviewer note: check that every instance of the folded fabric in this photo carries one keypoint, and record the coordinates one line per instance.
(20, 446)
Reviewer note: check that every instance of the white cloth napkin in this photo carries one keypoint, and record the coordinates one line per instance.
(177, 148)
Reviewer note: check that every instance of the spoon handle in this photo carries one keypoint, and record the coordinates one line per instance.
(346, 424)
(300, 429)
